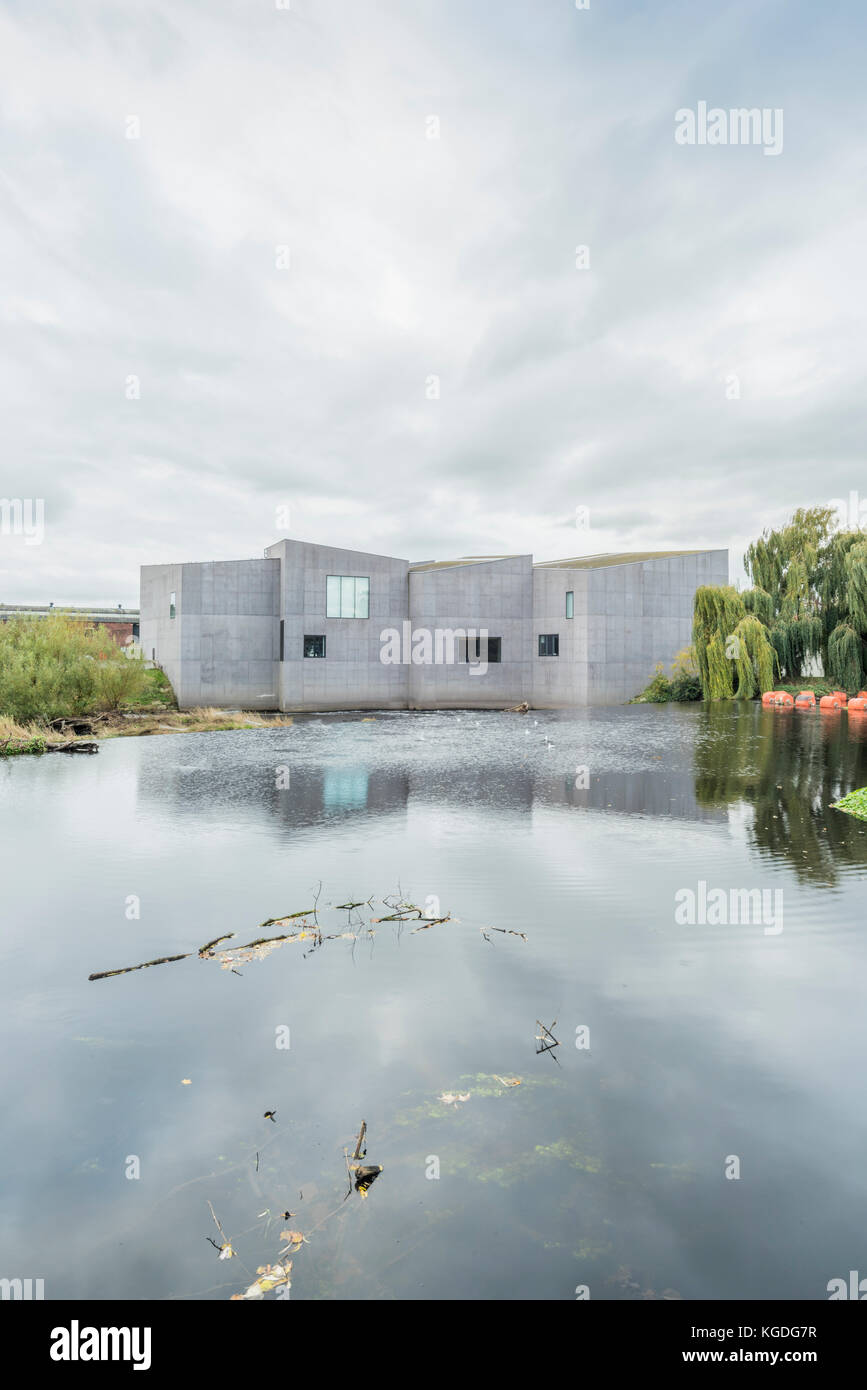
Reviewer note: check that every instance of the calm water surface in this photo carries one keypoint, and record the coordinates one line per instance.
(604, 1167)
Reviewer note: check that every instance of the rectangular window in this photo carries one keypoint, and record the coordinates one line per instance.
(282, 638)
(549, 644)
(570, 604)
(172, 601)
(475, 649)
(314, 646)
(347, 596)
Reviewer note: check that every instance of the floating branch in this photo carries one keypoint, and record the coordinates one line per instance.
(207, 949)
(434, 922)
(128, 969)
(361, 1134)
(264, 941)
(288, 917)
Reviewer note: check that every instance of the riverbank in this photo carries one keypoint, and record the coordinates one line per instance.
(157, 713)
(78, 734)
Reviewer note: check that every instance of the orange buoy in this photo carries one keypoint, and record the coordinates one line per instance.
(859, 704)
(769, 697)
(831, 702)
(862, 694)
(805, 700)
(840, 695)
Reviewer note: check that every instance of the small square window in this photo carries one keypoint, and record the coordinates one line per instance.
(549, 644)
(314, 646)
(173, 604)
(570, 603)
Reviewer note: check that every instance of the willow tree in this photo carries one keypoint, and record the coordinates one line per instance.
(716, 614)
(754, 658)
(846, 657)
(847, 643)
(834, 581)
(796, 640)
(856, 585)
(785, 562)
(801, 567)
(759, 601)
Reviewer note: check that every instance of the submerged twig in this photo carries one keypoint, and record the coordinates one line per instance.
(554, 1040)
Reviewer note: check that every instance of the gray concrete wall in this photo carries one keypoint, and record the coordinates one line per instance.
(351, 676)
(222, 647)
(560, 680)
(496, 595)
(639, 615)
(160, 634)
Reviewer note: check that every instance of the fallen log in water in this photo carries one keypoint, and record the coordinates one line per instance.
(128, 969)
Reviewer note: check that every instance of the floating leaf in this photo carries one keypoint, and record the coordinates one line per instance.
(270, 1277)
(508, 1080)
(186, 1082)
(226, 1251)
(293, 1237)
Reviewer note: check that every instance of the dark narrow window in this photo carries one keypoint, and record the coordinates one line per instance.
(314, 646)
(172, 600)
(570, 603)
(282, 638)
(477, 649)
(549, 644)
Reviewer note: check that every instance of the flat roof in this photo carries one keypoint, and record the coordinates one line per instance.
(632, 557)
(578, 562)
(464, 560)
(12, 609)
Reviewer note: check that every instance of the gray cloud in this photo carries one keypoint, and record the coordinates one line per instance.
(412, 258)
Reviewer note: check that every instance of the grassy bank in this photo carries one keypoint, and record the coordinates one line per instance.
(62, 681)
(38, 738)
(28, 738)
(135, 723)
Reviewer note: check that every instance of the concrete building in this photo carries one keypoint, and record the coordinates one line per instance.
(313, 627)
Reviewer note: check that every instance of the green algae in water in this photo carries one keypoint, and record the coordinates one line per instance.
(481, 1086)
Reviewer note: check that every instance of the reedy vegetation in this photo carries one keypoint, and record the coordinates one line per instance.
(59, 667)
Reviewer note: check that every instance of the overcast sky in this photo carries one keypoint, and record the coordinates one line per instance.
(281, 260)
